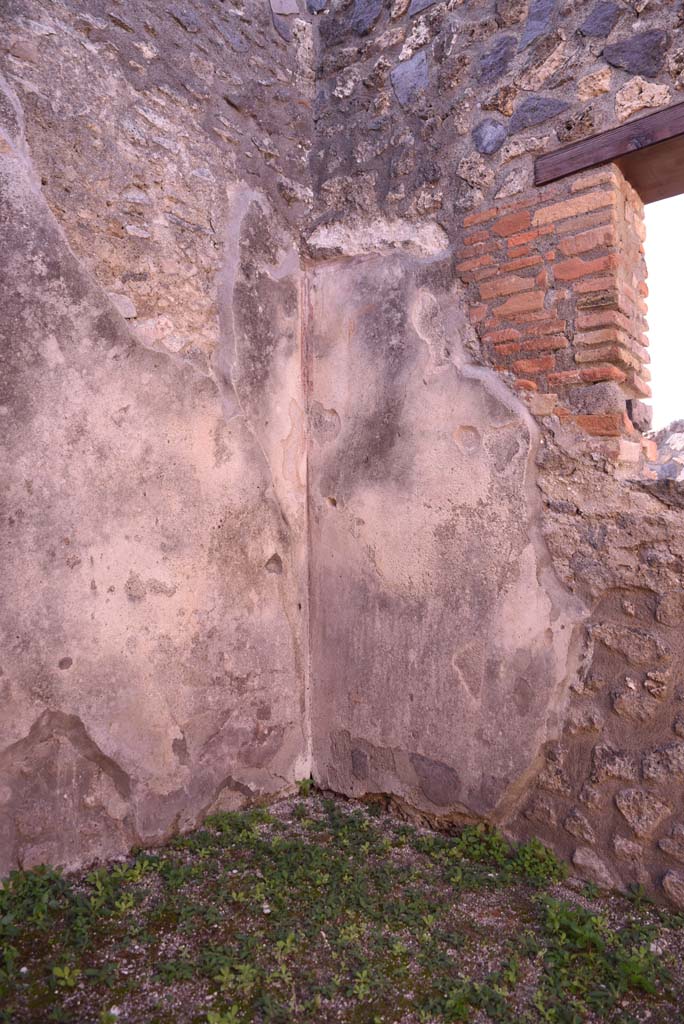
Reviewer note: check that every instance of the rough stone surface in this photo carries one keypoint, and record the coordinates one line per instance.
(420, 5)
(539, 21)
(638, 95)
(594, 85)
(495, 62)
(489, 136)
(641, 810)
(665, 762)
(410, 79)
(673, 845)
(590, 866)
(535, 110)
(640, 54)
(602, 20)
(366, 13)
(673, 884)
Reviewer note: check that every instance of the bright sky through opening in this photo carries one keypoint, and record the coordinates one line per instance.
(664, 231)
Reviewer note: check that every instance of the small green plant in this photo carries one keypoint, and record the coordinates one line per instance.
(280, 921)
(66, 976)
(538, 865)
(229, 1016)
(362, 984)
(305, 786)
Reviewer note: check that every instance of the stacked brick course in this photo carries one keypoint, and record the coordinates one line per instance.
(558, 290)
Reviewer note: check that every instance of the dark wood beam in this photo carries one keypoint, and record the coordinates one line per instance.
(650, 152)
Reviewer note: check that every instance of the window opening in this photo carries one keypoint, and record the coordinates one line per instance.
(664, 231)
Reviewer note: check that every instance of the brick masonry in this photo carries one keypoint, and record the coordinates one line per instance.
(557, 284)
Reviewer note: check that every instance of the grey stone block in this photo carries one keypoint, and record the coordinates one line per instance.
(410, 78)
(535, 110)
(488, 136)
(641, 54)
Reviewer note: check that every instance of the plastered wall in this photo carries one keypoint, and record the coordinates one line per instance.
(324, 446)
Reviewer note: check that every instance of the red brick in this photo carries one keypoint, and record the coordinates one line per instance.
(588, 240)
(506, 334)
(572, 269)
(607, 424)
(480, 218)
(484, 274)
(522, 263)
(526, 302)
(512, 223)
(604, 176)
(475, 236)
(605, 318)
(609, 335)
(552, 325)
(594, 374)
(564, 379)
(478, 313)
(510, 348)
(521, 250)
(608, 353)
(574, 207)
(638, 385)
(595, 284)
(584, 223)
(551, 343)
(506, 285)
(475, 262)
(528, 236)
(536, 323)
(525, 385)
(519, 202)
(542, 364)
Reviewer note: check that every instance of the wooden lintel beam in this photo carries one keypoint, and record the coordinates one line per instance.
(613, 144)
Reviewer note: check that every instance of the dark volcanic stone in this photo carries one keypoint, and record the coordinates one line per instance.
(640, 414)
(489, 136)
(282, 27)
(495, 63)
(642, 54)
(366, 13)
(539, 21)
(420, 5)
(410, 78)
(315, 6)
(535, 110)
(602, 20)
(185, 18)
(284, 7)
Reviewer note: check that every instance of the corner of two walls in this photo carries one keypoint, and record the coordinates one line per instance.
(321, 529)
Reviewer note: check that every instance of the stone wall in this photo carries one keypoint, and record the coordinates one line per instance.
(154, 162)
(429, 117)
(324, 438)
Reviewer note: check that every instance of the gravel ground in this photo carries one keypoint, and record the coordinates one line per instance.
(323, 910)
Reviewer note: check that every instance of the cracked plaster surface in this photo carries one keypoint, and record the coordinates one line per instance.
(170, 372)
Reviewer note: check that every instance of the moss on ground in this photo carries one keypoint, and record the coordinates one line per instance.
(319, 910)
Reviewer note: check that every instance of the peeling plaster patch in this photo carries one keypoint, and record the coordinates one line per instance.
(364, 237)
